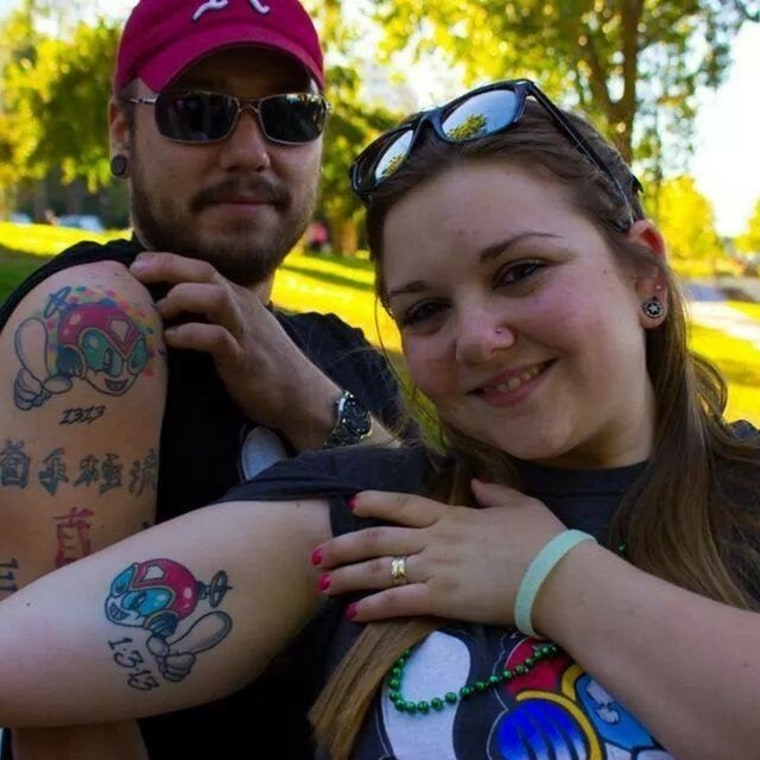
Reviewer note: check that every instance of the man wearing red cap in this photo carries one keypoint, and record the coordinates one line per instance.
(216, 122)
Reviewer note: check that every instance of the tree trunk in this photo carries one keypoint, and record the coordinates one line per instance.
(41, 200)
(345, 238)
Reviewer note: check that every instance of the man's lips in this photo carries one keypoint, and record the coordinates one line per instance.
(244, 200)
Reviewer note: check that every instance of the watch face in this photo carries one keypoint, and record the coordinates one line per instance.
(356, 418)
(353, 424)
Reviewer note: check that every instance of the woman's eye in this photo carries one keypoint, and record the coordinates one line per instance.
(421, 312)
(518, 271)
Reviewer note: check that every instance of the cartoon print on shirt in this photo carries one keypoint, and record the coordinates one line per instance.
(556, 710)
(158, 595)
(78, 337)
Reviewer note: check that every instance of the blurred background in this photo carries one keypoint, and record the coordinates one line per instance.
(672, 83)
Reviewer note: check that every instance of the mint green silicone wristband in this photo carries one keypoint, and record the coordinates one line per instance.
(538, 571)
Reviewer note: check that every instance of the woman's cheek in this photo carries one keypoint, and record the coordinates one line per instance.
(428, 371)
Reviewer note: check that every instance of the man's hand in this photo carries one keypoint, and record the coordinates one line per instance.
(265, 373)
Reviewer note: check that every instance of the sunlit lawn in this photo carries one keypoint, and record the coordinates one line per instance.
(739, 361)
(344, 286)
(24, 247)
(43, 239)
(750, 309)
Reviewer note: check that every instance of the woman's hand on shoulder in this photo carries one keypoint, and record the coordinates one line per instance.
(448, 561)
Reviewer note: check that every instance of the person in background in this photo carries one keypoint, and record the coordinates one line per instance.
(580, 554)
(318, 237)
(158, 366)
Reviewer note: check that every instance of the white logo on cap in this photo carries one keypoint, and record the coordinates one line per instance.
(217, 5)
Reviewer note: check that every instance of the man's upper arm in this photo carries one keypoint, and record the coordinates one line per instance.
(82, 390)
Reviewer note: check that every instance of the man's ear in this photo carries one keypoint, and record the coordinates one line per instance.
(650, 281)
(119, 133)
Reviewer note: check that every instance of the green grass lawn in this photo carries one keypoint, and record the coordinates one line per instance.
(750, 309)
(24, 247)
(344, 286)
(14, 267)
(739, 361)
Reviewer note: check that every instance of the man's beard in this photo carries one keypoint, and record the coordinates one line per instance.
(239, 255)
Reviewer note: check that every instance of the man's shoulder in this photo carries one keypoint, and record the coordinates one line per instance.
(305, 320)
(83, 253)
(317, 332)
(90, 251)
(345, 355)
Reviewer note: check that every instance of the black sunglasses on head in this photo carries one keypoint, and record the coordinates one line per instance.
(484, 111)
(198, 116)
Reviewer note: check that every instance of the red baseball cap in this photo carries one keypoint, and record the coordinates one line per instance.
(162, 38)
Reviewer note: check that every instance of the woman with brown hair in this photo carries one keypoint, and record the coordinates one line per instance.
(580, 550)
(539, 317)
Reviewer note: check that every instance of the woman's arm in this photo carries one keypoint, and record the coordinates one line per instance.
(686, 666)
(180, 614)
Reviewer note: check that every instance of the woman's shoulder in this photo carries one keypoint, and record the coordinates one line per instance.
(745, 430)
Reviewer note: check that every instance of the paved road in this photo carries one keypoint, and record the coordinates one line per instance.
(707, 306)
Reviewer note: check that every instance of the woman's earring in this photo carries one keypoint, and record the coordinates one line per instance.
(119, 166)
(653, 308)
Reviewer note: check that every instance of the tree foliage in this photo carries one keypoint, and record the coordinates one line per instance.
(687, 221)
(749, 242)
(54, 105)
(634, 66)
(352, 123)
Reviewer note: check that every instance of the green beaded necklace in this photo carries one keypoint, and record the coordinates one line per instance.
(396, 676)
(541, 652)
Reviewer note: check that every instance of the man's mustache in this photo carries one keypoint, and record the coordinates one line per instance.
(254, 188)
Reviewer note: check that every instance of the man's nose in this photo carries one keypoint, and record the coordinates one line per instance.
(246, 147)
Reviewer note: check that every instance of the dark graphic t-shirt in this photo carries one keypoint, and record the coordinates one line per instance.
(555, 711)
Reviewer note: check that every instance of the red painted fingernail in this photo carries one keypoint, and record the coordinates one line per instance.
(351, 501)
(316, 557)
(351, 611)
(324, 582)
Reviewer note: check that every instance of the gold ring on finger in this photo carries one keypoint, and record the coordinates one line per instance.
(398, 571)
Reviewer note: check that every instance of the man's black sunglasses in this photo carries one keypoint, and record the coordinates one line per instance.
(481, 112)
(198, 116)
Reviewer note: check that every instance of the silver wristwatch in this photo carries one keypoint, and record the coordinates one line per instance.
(353, 422)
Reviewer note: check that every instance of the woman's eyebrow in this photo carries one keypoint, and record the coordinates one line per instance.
(415, 286)
(486, 254)
(496, 249)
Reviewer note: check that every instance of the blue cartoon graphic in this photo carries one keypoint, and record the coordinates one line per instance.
(553, 710)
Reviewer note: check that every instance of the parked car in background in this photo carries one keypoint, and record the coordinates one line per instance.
(89, 222)
(20, 217)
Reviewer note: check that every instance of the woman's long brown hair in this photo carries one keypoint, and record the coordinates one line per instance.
(690, 517)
